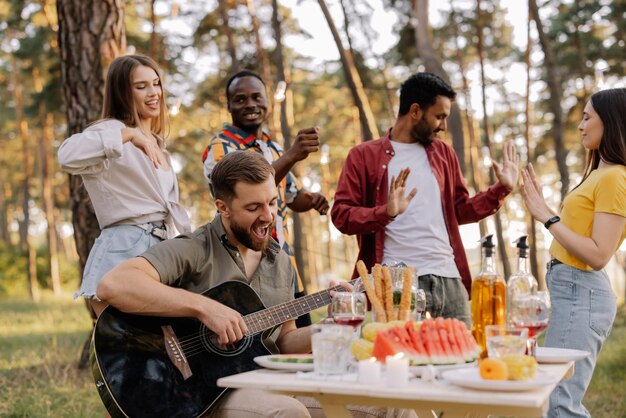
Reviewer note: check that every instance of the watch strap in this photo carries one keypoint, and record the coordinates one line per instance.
(551, 221)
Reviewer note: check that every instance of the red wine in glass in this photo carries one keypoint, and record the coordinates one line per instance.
(353, 321)
(534, 330)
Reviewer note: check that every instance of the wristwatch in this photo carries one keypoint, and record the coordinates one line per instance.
(551, 221)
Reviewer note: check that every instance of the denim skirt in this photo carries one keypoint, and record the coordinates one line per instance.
(114, 245)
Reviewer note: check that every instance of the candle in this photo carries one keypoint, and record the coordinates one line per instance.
(397, 370)
(369, 371)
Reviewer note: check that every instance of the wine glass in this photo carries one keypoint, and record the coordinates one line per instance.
(348, 308)
(531, 310)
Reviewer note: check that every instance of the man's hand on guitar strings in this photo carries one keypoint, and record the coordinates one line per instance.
(226, 323)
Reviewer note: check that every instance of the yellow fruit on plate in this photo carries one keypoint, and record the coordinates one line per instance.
(493, 369)
(520, 367)
(369, 330)
(361, 349)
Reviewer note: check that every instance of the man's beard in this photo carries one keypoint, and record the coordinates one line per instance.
(245, 238)
(422, 133)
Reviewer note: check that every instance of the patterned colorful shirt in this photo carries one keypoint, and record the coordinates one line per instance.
(231, 139)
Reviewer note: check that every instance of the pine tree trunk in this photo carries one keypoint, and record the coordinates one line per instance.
(532, 230)
(47, 193)
(475, 173)
(5, 238)
(26, 245)
(502, 244)
(433, 65)
(264, 66)
(222, 8)
(368, 123)
(554, 85)
(91, 35)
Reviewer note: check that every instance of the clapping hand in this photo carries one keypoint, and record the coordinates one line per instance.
(508, 172)
(533, 196)
(398, 201)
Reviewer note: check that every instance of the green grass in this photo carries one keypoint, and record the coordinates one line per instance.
(40, 346)
(39, 349)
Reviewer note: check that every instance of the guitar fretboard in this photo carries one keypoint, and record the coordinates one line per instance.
(276, 315)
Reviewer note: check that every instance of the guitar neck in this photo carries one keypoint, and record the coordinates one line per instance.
(267, 318)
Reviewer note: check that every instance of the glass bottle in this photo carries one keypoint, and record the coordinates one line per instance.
(522, 281)
(488, 295)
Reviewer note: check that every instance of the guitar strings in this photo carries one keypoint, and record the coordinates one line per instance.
(195, 343)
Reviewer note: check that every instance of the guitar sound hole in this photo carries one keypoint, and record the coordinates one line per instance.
(209, 341)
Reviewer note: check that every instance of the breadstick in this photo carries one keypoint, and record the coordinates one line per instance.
(405, 300)
(377, 273)
(391, 314)
(371, 293)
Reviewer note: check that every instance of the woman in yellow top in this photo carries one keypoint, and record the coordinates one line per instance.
(590, 229)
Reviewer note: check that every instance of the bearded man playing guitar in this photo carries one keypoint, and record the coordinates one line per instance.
(160, 346)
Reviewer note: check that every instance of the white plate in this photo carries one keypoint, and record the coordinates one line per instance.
(470, 378)
(440, 368)
(281, 362)
(559, 355)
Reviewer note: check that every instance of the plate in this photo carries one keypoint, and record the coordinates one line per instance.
(470, 378)
(559, 355)
(291, 362)
(440, 368)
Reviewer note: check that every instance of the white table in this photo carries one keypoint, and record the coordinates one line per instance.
(423, 397)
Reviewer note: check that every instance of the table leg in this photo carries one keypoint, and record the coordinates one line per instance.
(333, 406)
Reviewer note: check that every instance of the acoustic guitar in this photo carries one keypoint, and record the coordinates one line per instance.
(148, 366)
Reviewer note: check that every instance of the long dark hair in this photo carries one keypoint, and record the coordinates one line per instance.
(118, 92)
(610, 105)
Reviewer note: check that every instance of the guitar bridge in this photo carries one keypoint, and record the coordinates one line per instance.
(175, 353)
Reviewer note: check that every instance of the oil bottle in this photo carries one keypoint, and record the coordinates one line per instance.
(488, 295)
(522, 281)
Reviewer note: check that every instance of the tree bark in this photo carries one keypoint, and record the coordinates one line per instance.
(554, 86)
(433, 65)
(506, 265)
(368, 123)
(91, 35)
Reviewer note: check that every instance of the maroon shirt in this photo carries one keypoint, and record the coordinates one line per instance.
(360, 206)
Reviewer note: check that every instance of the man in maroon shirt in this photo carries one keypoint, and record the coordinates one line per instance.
(404, 197)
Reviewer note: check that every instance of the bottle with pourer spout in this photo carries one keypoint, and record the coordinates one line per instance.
(488, 295)
(522, 281)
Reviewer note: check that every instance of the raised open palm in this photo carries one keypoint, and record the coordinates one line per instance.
(398, 201)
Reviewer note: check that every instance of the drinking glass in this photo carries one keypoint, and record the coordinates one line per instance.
(330, 344)
(502, 340)
(531, 310)
(348, 308)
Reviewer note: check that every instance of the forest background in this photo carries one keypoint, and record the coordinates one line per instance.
(522, 73)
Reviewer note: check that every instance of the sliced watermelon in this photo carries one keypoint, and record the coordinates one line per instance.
(421, 356)
(449, 345)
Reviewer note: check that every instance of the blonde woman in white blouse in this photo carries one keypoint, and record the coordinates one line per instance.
(126, 170)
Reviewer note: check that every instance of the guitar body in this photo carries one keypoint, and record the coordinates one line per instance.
(136, 377)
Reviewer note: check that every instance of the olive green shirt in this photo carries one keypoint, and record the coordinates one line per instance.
(204, 259)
